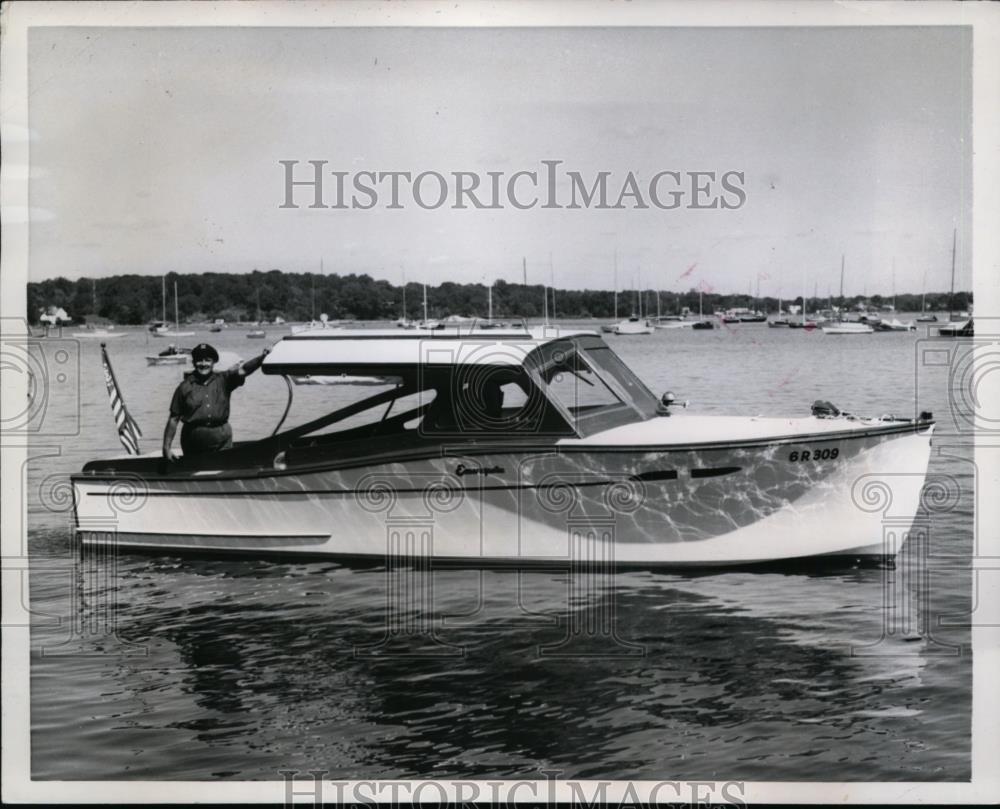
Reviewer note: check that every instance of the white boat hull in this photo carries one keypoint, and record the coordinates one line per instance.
(572, 503)
(98, 335)
(849, 328)
(633, 329)
(172, 359)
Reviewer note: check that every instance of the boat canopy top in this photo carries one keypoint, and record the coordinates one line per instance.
(373, 352)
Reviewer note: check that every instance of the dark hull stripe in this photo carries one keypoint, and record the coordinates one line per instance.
(714, 473)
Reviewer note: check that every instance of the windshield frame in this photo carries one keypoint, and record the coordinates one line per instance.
(636, 402)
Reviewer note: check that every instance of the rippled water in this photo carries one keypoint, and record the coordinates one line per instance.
(172, 668)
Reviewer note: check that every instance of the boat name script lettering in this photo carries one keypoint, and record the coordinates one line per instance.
(461, 470)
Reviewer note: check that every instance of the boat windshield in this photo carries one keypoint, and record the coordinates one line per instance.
(592, 385)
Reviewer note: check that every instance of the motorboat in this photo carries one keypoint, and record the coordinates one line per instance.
(927, 319)
(520, 447)
(848, 327)
(256, 334)
(962, 328)
(172, 355)
(633, 326)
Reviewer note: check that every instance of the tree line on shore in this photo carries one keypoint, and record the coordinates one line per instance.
(138, 299)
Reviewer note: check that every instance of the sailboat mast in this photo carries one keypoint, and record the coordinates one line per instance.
(425, 303)
(894, 284)
(923, 294)
(491, 303)
(841, 301)
(803, 297)
(616, 283)
(552, 280)
(163, 293)
(951, 297)
(177, 319)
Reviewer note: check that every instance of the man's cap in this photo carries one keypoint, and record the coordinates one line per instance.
(203, 350)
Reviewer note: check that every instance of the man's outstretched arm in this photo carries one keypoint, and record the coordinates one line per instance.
(248, 367)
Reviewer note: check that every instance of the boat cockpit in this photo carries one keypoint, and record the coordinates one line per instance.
(527, 392)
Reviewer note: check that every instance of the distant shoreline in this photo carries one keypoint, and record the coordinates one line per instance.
(301, 297)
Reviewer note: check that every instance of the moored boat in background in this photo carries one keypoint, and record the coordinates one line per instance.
(848, 327)
(895, 325)
(97, 334)
(633, 326)
(962, 328)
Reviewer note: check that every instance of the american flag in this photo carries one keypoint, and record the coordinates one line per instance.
(128, 430)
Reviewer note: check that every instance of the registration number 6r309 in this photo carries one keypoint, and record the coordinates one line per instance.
(815, 455)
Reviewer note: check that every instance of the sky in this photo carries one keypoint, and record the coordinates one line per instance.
(158, 149)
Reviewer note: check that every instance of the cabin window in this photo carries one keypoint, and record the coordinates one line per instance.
(481, 400)
(579, 389)
(623, 379)
(401, 414)
(592, 385)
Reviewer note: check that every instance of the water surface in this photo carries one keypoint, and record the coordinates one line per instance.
(196, 668)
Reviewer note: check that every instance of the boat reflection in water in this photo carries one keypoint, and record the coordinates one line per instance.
(522, 446)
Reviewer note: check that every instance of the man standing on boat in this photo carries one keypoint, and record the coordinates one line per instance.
(201, 402)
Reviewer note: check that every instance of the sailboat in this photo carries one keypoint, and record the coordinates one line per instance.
(427, 323)
(924, 317)
(956, 327)
(92, 332)
(635, 325)
(845, 326)
(609, 328)
(779, 320)
(701, 323)
(161, 328)
(258, 333)
(404, 322)
(802, 323)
